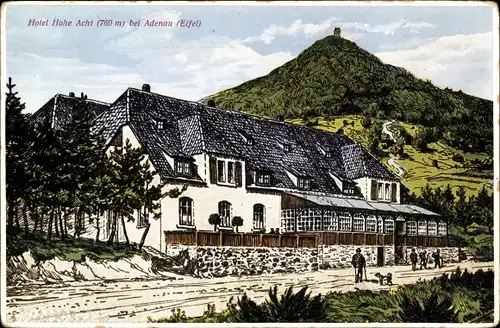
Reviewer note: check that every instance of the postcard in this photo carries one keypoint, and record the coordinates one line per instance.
(249, 164)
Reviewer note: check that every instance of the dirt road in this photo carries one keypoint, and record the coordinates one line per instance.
(134, 301)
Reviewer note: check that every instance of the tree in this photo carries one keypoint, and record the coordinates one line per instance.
(237, 221)
(17, 130)
(127, 177)
(214, 219)
(463, 214)
(483, 207)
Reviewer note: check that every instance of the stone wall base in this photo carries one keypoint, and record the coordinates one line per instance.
(208, 261)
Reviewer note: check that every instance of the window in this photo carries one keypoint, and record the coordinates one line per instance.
(258, 216)
(286, 147)
(330, 221)
(309, 220)
(182, 167)
(186, 168)
(221, 171)
(226, 171)
(264, 179)
(387, 191)
(432, 228)
(371, 224)
(442, 228)
(230, 172)
(329, 154)
(411, 228)
(380, 191)
(389, 226)
(358, 223)
(422, 227)
(345, 222)
(225, 209)
(303, 183)
(288, 220)
(380, 225)
(186, 216)
(161, 124)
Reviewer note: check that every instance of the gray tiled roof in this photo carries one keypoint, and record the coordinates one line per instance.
(192, 128)
(58, 110)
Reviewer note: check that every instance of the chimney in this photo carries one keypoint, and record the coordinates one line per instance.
(71, 94)
(146, 88)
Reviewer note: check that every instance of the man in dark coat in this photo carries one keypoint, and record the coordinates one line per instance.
(413, 259)
(437, 259)
(423, 260)
(359, 263)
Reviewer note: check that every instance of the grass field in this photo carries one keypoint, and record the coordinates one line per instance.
(418, 165)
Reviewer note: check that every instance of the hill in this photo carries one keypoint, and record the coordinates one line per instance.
(336, 77)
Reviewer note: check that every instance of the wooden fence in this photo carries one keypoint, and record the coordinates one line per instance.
(205, 238)
(308, 240)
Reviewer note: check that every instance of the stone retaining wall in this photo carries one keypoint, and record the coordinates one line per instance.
(340, 256)
(212, 261)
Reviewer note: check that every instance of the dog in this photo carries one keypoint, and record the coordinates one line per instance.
(384, 280)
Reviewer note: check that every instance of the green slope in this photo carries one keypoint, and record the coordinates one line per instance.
(418, 166)
(336, 77)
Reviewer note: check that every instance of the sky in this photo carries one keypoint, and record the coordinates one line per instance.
(450, 45)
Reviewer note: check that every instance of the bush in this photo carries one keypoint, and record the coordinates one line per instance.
(289, 307)
(435, 163)
(458, 158)
(428, 310)
(366, 122)
(214, 219)
(340, 131)
(237, 221)
(419, 143)
(345, 123)
(408, 139)
(211, 103)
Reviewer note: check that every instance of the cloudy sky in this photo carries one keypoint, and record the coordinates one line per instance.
(451, 46)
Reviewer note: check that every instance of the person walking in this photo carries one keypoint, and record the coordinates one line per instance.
(359, 263)
(437, 259)
(423, 260)
(413, 259)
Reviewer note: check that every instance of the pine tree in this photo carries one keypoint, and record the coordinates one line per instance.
(464, 211)
(17, 152)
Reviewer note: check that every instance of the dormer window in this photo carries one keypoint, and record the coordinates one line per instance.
(182, 167)
(161, 124)
(303, 183)
(285, 146)
(263, 179)
(329, 154)
(246, 138)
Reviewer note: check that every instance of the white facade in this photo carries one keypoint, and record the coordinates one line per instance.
(199, 201)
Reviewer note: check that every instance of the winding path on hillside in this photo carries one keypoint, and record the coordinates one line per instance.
(400, 171)
(133, 301)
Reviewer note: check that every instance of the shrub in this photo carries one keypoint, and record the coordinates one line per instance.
(214, 219)
(366, 122)
(340, 131)
(345, 123)
(211, 103)
(458, 158)
(419, 143)
(435, 163)
(237, 221)
(408, 139)
(289, 307)
(428, 310)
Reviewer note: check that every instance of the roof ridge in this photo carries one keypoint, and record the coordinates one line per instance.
(92, 100)
(53, 118)
(254, 116)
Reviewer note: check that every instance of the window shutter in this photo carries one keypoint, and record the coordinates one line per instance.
(238, 174)
(250, 177)
(394, 190)
(212, 163)
(374, 190)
